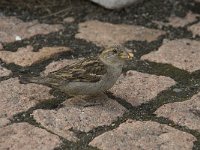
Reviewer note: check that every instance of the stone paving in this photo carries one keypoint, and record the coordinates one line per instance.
(155, 104)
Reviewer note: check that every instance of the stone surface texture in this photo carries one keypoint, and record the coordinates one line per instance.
(185, 113)
(16, 97)
(144, 135)
(137, 88)
(106, 34)
(26, 57)
(181, 53)
(4, 72)
(73, 115)
(195, 29)
(13, 29)
(23, 136)
(176, 21)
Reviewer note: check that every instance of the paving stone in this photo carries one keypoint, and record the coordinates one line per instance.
(1, 46)
(26, 57)
(74, 115)
(195, 28)
(146, 135)
(137, 88)
(23, 136)
(106, 34)
(69, 20)
(181, 53)
(179, 22)
(4, 122)
(186, 113)
(16, 97)
(4, 72)
(12, 29)
(56, 65)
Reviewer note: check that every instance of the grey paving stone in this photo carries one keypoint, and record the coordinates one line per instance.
(186, 113)
(73, 115)
(16, 97)
(137, 88)
(4, 72)
(146, 135)
(26, 57)
(23, 136)
(181, 53)
(106, 34)
(13, 29)
(195, 28)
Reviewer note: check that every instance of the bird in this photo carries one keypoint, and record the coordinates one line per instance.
(90, 76)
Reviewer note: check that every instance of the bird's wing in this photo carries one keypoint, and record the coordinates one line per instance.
(88, 70)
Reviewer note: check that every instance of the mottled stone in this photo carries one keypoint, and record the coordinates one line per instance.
(69, 20)
(195, 28)
(137, 88)
(179, 22)
(106, 34)
(4, 122)
(26, 57)
(23, 136)
(16, 97)
(146, 135)
(1, 46)
(56, 65)
(4, 72)
(186, 113)
(74, 115)
(181, 53)
(12, 29)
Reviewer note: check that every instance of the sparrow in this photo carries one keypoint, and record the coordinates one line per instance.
(89, 76)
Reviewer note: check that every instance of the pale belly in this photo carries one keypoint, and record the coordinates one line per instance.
(84, 88)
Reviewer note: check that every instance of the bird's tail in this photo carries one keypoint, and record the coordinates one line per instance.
(26, 80)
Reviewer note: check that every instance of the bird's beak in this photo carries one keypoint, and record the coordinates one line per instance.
(127, 55)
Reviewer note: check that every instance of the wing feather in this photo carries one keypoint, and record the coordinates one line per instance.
(88, 70)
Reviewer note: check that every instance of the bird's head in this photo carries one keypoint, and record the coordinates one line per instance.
(115, 55)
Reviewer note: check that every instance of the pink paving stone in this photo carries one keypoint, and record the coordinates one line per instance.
(195, 28)
(4, 122)
(137, 88)
(1, 46)
(4, 72)
(179, 22)
(16, 97)
(106, 34)
(181, 53)
(23, 136)
(73, 115)
(186, 113)
(146, 135)
(12, 29)
(26, 57)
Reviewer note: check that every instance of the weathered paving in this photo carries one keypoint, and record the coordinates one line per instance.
(155, 104)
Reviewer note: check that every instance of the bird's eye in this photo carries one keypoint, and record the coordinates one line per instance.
(115, 51)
